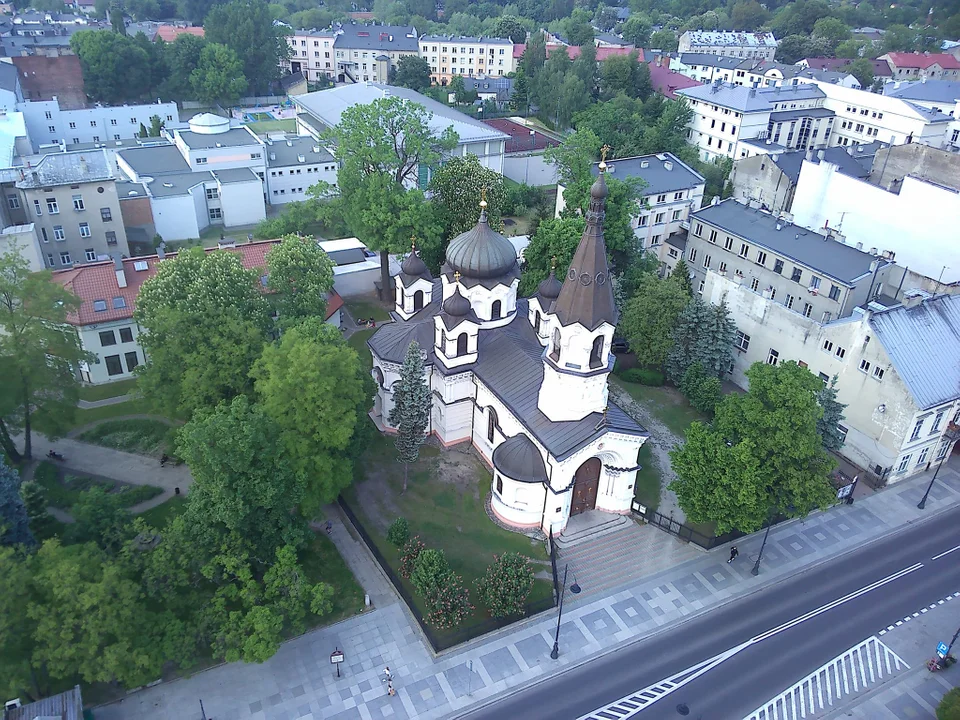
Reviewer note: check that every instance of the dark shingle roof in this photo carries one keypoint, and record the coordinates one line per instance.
(791, 162)
(519, 459)
(653, 170)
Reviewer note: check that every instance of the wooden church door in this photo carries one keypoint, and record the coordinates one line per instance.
(586, 484)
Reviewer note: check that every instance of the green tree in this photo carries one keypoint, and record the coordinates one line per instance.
(447, 601)
(398, 534)
(183, 58)
(247, 28)
(832, 30)
(534, 55)
(509, 26)
(650, 317)
(748, 15)
(244, 480)
(101, 518)
(113, 66)
(625, 74)
(762, 455)
(297, 218)
(14, 520)
(204, 324)
(580, 34)
(34, 496)
(665, 40)
(458, 87)
(457, 186)
(157, 69)
(617, 123)
(792, 48)
(851, 49)
(898, 38)
(18, 675)
(320, 431)
(506, 585)
(301, 276)
(385, 147)
(636, 30)
(412, 72)
(949, 707)
(39, 354)
(410, 413)
(704, 334)
(862, 70)
(681, 274)
(117, 23)
(828, 426)
(704, 391)
(551, 247)
(218, 78)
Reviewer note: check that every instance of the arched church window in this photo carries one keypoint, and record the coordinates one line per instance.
(536, 322)
(378, 376)
(555, 346)
(491, 423)
(461, 344)
(596, 353)
(418, 300)
(495, 310)
(499, 485)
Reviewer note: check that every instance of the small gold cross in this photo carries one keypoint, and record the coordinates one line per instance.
(553, 263)
(603, 152)
(456, 276)
(413, 243)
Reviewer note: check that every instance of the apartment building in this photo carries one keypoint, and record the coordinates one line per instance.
(450, 55)
(895, 366)
(293, 165)
(812, 275)
(71, 199)
(751, 72)
(369, 53)
(731, 44)
(920, 66)
(937, 95)
(312, 53)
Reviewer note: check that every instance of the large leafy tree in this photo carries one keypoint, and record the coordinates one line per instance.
(551, 247)
(650, 316)
(410, 413)
(636, 30)
(17, 674)
(183, 58)
(14, 521)
(113, 66)
(762, 456)
(321, 430)
(204, 324)
(510, 26)
(218, 77)
(625, 74)
(247, 28)
(39, 354)
(301, 275)
(457, 187)
(412, 72)
(382, 148)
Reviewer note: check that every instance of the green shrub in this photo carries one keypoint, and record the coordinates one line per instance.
(450, 604)
(131, 495)
(949, 707)
(707, 395)
(694, 375)
(408, 556)
(430, 573)
(399, 532)
(506, 585)
(34, 497)
(643, 377)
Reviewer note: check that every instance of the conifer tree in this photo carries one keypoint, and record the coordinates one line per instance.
(14, 523)
(681, 275)
(35, 501)
(411, 409)
(718, 340)
(832, 416)
(686, 339)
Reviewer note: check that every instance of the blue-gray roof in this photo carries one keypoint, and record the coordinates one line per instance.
(747, 99)
(788, 115)
(402, 38)
(65, 706)
(712, 60)
(824, 256)
(924, 91)
(652, 169)
(923, 343)
(791, 162)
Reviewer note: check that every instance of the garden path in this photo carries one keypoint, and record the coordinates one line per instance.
(90, 404)
(662, 441)
(77, 431)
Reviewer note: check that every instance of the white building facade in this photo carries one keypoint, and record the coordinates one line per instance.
(450, 55)
(293, 165)
(762, 46)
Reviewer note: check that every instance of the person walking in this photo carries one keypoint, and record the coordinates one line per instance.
(388, 676)
(390, 691)
(733, 554)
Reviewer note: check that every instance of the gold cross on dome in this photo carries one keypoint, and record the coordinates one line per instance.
(603, 152)
(483, 194)
(553, 263)
(456, 276)
(413, 242)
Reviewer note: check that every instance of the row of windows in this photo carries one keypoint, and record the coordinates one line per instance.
(934, 427)
(922, 457)
(53, 207)
(659, 218)
(463, 50)
(326, 168)
(316, 43)
(864, 111)
(108, 337)
(723, 126)
(114, 367)
(93, 123)
(59, 235)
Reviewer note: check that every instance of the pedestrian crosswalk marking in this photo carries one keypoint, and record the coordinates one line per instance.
(854, 670)
(932, 606)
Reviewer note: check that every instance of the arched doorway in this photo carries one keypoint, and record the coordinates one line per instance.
(585, 486)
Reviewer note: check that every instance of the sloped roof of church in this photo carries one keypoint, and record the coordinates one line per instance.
(510, 365)
(587, 295)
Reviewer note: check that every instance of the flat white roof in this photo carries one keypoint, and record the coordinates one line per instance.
(342, 244)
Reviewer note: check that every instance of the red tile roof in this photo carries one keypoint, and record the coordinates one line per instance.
(573, 51)
(169, 33)
(520, 136)
(98, 281)
(666, 82)
(922, 61)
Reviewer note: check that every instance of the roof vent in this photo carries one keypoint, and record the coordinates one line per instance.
(228, 243)
(316, 149)
(219, 145)
(132, 193)
(273, 156)
(644, 164)
(168, 185)
(140, 265)
(301, 158)
(289, 143)
(668, 165)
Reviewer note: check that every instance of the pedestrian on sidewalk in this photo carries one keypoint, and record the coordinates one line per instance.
(390, 691)
(388, 676)
(733, 554)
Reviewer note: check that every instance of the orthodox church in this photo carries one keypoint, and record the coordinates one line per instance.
(523, 379)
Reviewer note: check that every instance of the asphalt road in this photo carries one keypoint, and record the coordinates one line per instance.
(741, 683)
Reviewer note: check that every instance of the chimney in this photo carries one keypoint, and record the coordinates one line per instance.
(668, 165)
(162, 250)
(118, 268)
(914, 297)
(820, 155)
(273, 156)
(316, 149)
(301, 158)
(289, 143)
(228, 243)
(716, 200)
(809, 155)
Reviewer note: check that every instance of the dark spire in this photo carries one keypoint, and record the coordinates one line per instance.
(413, 265)
(587, 295)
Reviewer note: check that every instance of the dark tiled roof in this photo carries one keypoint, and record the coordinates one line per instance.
(791, 163)
(653, 170)
(520, 136)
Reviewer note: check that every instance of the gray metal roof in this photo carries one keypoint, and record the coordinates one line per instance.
(652, 169)
(924, 90)
(746, 99)
(510, 364)
(923, 343)
(731, 39)
(177, 184)
(396, 38)
(69, 168)
(283, 153)
(130, 189)
(677, 240)
(826, 257)
(519, 459)
(234, 137)
(9, 79)
(791, 162)
(931, 116)
(481, 252)
(711, 60)
(153, 161)
(65, 706)
(788, 115)
(235, 175)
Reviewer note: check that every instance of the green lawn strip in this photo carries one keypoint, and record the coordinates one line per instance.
(64, 492)
(147, 437)
(360, 308)
(160, 516)
(322, 562)
(358, 341)
(666, 404)
(264, 126)
(92, 393)
(647, 488)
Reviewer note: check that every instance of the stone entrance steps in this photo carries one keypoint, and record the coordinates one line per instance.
(590, 526)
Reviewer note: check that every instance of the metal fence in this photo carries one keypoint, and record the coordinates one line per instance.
(553, 568)
(685, 532)
(447, 639)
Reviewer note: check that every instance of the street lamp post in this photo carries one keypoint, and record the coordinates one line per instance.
(575, 588)
(952, 433)
(756, 565)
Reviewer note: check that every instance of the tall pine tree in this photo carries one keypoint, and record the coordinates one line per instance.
(411, 409)
(14, 523)
(828, 424)
(681, 274)
(717, 344)
(704, 334)
(42, 524)
(686, 339)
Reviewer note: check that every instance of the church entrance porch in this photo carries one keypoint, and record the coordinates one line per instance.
(586, 484)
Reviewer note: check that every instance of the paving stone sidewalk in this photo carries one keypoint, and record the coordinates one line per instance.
(299, 682)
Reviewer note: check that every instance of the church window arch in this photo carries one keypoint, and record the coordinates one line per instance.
(496, 310)
(536, 322)
(461, 344)
(418, 300)
(555, 346)
(499, 486)
(596, 353)
(491, 423)
(378, 376)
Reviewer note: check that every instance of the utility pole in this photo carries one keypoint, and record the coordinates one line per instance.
(756, 565)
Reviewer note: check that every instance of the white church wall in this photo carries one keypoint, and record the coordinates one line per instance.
(518, 503)
(452, 406)
(482, 299)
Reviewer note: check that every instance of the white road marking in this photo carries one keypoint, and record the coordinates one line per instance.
(937, 557)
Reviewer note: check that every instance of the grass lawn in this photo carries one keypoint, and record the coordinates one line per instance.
(647, 488)
(147, 437)
(92, 393)
(666, 404)
(367, 308)
(63, 490)
(520, 225)
(322, 561)
(138, 406)
(262, 127)
(358, 341)
(444, 505)
(161, 515)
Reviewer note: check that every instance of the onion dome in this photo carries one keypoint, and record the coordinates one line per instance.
(414, 266)
(549, 288)
(598, 191)
(518, 459)
(457, 305)
(481, 252)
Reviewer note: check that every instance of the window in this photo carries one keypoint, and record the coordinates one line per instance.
(916, 429)
(723, 267)
(755, 284)
(761, 257)
(841, 352)
(58, 233)
(99, 305)
(936, 422)
(807, 309)
(834, 292)
(78, 203)
(36, 206)
(797, 274)
(713, 236)
(728, 243)
(212, 193)
(96, 138)
(773, 293)
(461, 344)
(90, 254)
(904, 464)
(693, 255)
(84, 229)
(48, 115)
(255, 156)
(113, 365)
(659, 219)
(51, 128)
(678, 195)
(942, 451)
(923, 456)
(13, 202)
(661, 198)
(111, 237)
(815, 282)
(131, 359)
(555, 346)
(499, 485)
(700, 288)
(596, 353)
(50, 261)
(642, 221)
(842, 432)
(699, 229)
(827, 346)
(65, 258)
(742, 341)
(676, 214)
(107, 338)
(52, 206)
(706, 261)
(93, 123)
(43, 231)
(495, 310)
(126, 334)
(877, 373)
(201, 161)
(788, 301)
(216, 213)
(773, 357)
(864, 366)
